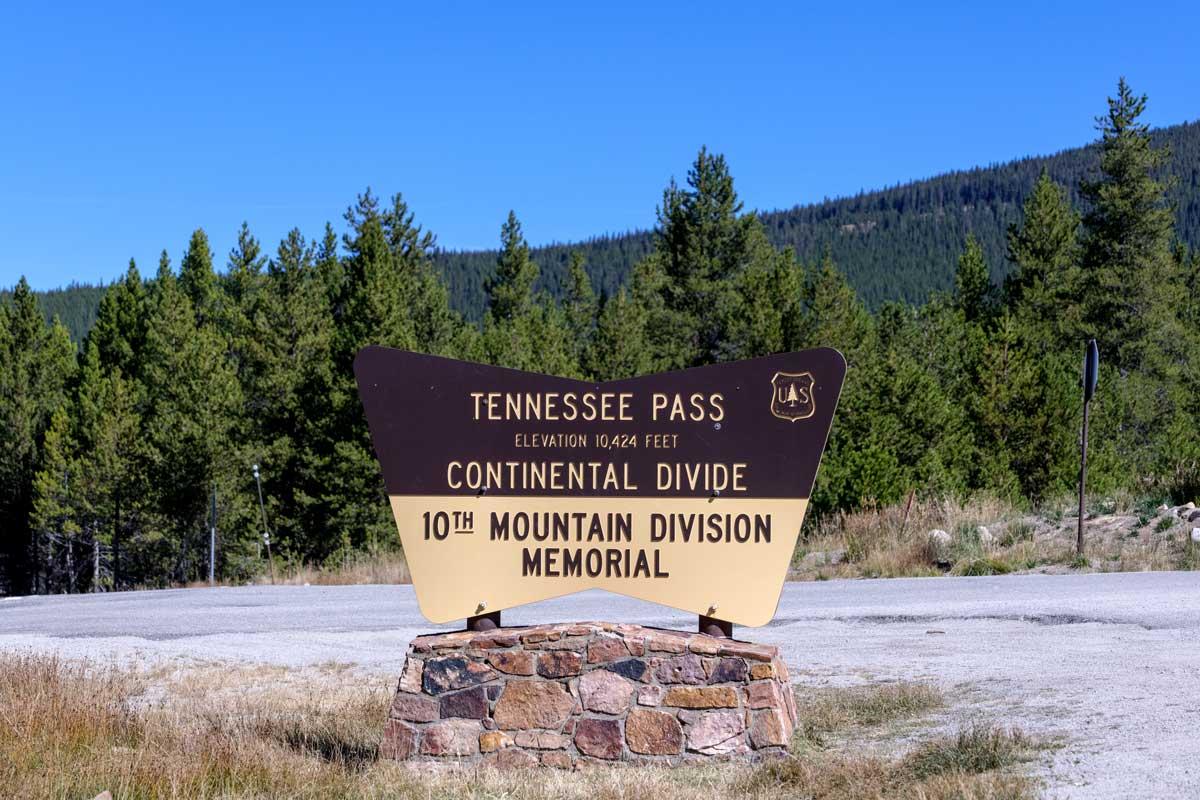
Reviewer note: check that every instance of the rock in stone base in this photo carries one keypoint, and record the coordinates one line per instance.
(587, 694)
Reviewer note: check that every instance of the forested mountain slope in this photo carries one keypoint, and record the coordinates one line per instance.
(893, 244)
(900, 243)
(74, 305)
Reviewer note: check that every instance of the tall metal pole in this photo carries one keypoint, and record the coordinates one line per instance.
(1091, 370)
(212, 540)
(266, 530)
(95, 561)
(1082, 478)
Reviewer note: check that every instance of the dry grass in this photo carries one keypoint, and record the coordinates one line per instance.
(837, 710)
(377, 567)
(1122, 534)
(70, 731)
(974, 749)
(974, 764)
(845, 777)
(823, 713)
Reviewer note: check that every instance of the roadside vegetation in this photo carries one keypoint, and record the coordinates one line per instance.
(987, 536)
(984, 536)
(71, 730)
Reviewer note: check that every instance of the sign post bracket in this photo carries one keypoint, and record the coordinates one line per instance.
(721, 629)
(484, 622)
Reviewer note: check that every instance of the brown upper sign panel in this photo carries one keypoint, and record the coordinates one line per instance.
(686, 488)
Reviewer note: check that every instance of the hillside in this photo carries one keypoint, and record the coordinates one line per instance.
(74, 305)
(893, 244)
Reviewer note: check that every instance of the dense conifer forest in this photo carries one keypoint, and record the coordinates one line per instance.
(117, 442)
(893, 244)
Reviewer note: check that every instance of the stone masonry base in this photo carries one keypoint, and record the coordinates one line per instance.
(576, 694)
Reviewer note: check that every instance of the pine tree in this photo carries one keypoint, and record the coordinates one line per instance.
(510, 290)
(771, 302)
(329, 268)
(36, 364)
(1130, 285)
(619, 348)
(1044, 250)
(1025, 404)
(112, 484)
(242, 323)
(294, 399)
(376, 294)
(435, 325)
(54, 516)
(702, 243)
(120, 329)
(833, 316)
(197, 278)
(973, 292)
(580, 306)
(1133, 299)
(193, 403)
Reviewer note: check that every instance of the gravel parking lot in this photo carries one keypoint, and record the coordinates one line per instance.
(1109, 664)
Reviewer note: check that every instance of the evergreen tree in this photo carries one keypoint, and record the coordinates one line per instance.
(54, 517)
(1133, 294)
(294, 400)
(1044, 250)
(36, 363)
(510, 290)
(1130, 286)
(1025, 406)
(377, 286)
(193, 402)
(386, 298)
(243, 322)
(702, 244)
(197, 279)
(580, 306)
(114, 514)
(619, 348)
(435, 325)
(771, 300)
(120, 329)
(329, 268)
(972, 283)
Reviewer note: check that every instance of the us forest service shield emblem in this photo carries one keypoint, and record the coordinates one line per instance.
(792, 396)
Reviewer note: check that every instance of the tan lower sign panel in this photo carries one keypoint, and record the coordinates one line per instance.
(687, 488)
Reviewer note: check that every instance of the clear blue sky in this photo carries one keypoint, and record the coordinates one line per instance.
(123, 128)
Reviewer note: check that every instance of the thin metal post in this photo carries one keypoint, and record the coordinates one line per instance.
(95, 562)
(1082, 479)
(1091, 375)
(266, 530)
(212, 541)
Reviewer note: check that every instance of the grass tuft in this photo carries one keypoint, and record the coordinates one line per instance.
(973, 765)
(837, 710)
(976, 749)
(982, 565)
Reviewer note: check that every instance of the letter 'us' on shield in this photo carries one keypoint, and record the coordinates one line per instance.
(683, 488)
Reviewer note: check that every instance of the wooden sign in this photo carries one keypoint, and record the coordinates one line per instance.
(683, 488)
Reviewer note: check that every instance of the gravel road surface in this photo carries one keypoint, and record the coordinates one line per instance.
(1108, 664)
